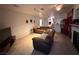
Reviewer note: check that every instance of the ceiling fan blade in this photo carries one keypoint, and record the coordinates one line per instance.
(36, 10)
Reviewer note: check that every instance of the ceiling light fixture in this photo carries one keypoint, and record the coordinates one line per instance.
(40, 14)
(58, 7)
(39, 11)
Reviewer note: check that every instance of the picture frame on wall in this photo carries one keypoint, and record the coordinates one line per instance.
(31, 20)
(34, 21)
(26, 21)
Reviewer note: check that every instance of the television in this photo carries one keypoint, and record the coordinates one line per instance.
(5, 33)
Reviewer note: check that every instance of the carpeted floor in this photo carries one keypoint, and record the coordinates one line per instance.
(62, 46)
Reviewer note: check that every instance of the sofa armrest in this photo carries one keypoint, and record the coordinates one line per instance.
(36, 39)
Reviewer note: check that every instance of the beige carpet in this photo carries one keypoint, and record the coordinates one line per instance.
(23, 45)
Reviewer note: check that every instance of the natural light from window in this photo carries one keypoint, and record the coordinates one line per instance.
(41, 22)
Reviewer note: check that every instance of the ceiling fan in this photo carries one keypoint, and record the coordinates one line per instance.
(16, 5)
(39, 11)
(58, 7)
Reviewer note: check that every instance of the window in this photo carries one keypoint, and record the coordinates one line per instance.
(40, 22)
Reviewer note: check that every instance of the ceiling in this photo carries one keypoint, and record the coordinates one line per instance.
(34, 9)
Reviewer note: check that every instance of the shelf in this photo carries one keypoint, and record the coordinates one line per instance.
(75, 25)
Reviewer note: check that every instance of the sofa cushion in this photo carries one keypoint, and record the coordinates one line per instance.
(49, 40)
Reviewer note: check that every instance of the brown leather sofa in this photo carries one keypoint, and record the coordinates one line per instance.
(41, 30)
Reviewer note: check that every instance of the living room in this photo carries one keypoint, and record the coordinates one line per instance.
(26, 21)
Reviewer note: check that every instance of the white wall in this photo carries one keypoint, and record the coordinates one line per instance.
(17, 22)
